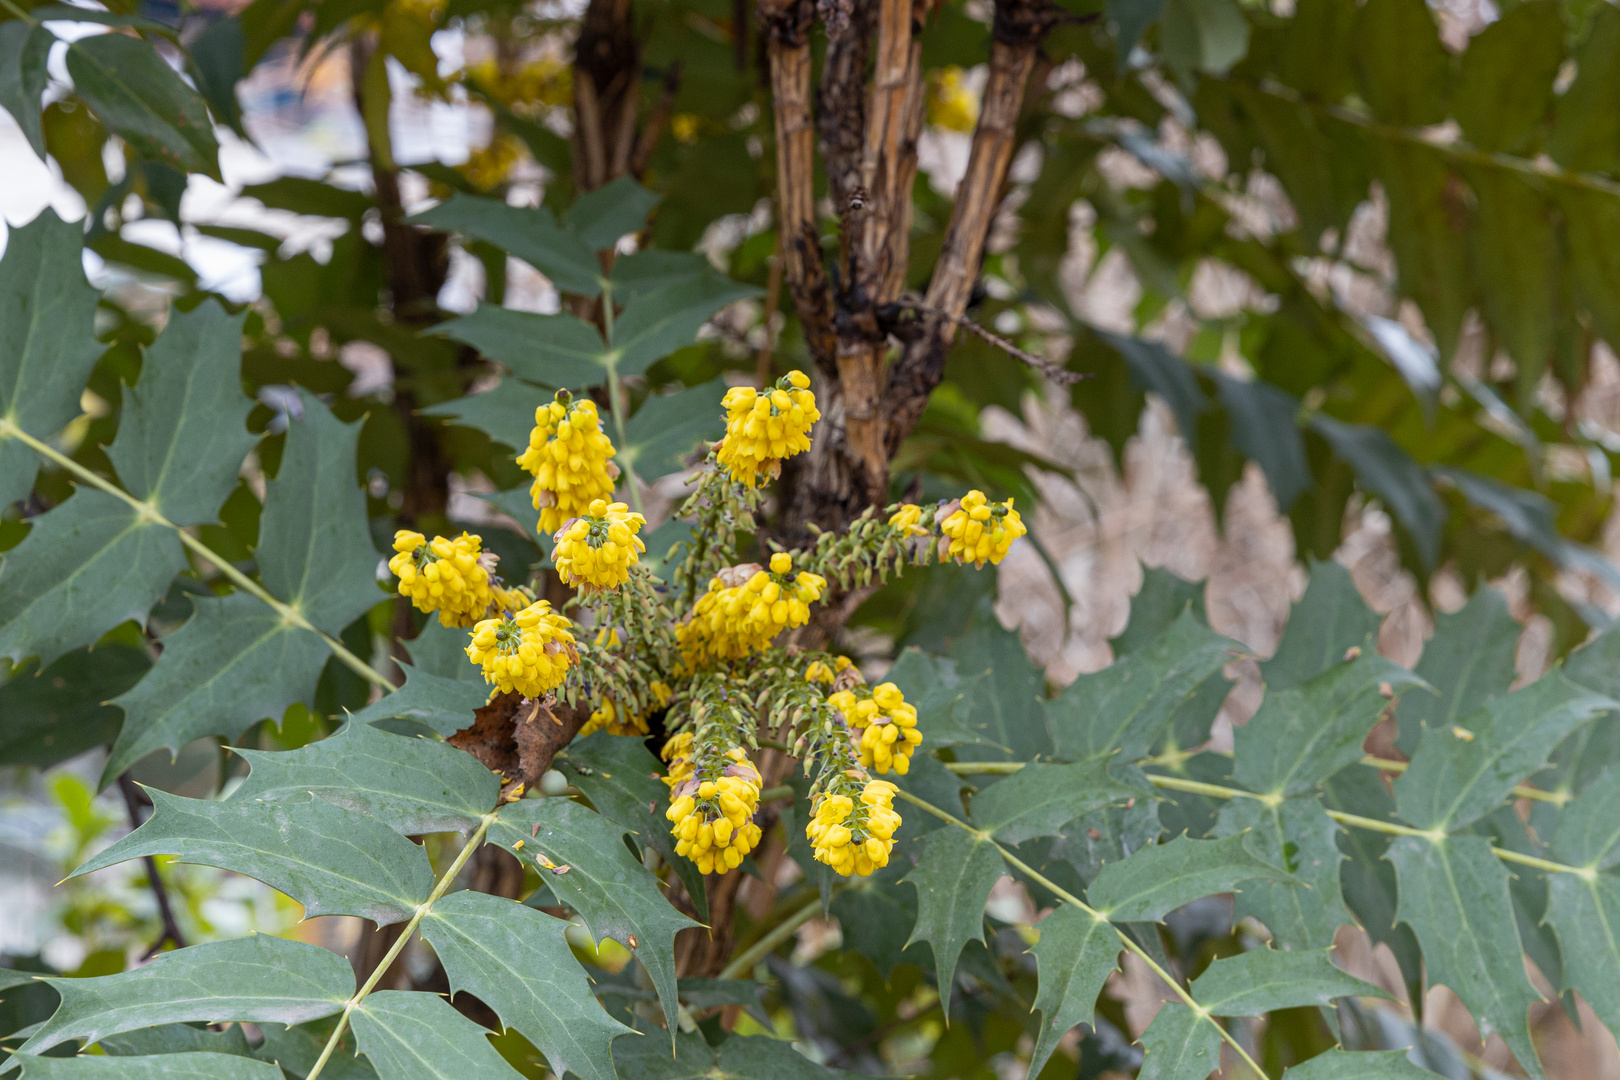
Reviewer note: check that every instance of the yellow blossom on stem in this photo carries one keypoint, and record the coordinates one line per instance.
(599, 547)
(951, 105)
(568, 456)
(981, 531)
(747, 606)
(820, 671)
(443, 575)
(764, 428)
(887, 723)
(908, 520)
(712, 808)
(854, 835)
(529, 652)
(609, 716)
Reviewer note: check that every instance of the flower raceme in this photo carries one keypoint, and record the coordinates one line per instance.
(747, 606)
(712, 808)
(529, 652)
(764, 428)
(568, 456)
(854, 835)
(981, 531)
(599, 547)
(443, 575)
(887, 723)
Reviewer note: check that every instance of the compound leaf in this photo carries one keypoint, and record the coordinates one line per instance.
(47, 310)
(1152, 883)
(411, 785)
(953, 878)
(183, 433)
(188, 1066)
(1454, 896)
(529, 233)
(1180, 1045)
(1074, 956)
(330, 860)
(599, 218)
(258, 978)
(446, 705)
(1260, 980)
(1297, 835)
(610, 889)
(85, 566)
(1126, 706)
(1462, 773)
(1469, 658)
(1038, 800)
(418, 1036)
(740, 1057)
(141, 98)
(554, 350)
(515, 959)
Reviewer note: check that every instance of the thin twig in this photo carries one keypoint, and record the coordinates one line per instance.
(1056, 372)
(160, 892)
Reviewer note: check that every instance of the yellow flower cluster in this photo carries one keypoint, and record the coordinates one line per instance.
(981, 530)
(820, 671)
(712, 815)
(568, 457)
(599, 547)
(741, 614)
(855, 837)
(951, 105)
(887, 723)
(530, 652)
(442, 575)
(762, 429)
(609, 717)
(908, 520)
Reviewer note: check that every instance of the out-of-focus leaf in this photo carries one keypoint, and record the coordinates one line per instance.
(258, 978)
(1454, 895)
(1517, 263)
(516, 961)
(1385, 470)
(1203, 35)
(1265, 429)
(1180, 1045)
(218, 58)
(667, 427)
(417, 1036)
(1427, 219)
(1155, 881)
(330, 860)
(1470, 658)
(1585, 136)
(1402, 67)
(1074, 957)
(599, 218)
(141, 98)
(1505, 80)
(1038, 800)
(192, 1066)
(554, 350)
(1262, 980)
(710, 993)
(1297, 835)
(1329, 620)
(1003, 693)
(529, 233)
(739, 1057)
(24, 49)
(1529, 517)
(875, 919)
(302, 195)
(615, 894)
(411, 785)
(655, 324)
(176, 1039)
(1155, 368)
(1594, 247)
(1338, 1064)
(445, 705)
(505, 412)
(953, 878)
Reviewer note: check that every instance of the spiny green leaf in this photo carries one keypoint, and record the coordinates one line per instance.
(1155, 608)
(330, 860)
(315, 549)
(1402, 67)
(953, 878)
(529, 233)
(23, 52)
(1462, 773)
(615, 894)
(554, 350)
(620, 777)
(1297, 835)
(47, 310)
(940, 696)
(1596, 664)
(1383, 469)
(141, 98)
(441, 651)
(667, 427)
(1038, 800)
(516, 961)
(1589, 828)
(183, 433)
(652, 269)
(1469, 658)
(296, 1049)
(505, 412)
(1180, 1045)
(1125, 706)
(1306, 733)
(177, 1039)
(258, 978)
(740, 1057)
(599, 218)
(1261, 980)
(232, 664)
(1329, 620)
(875, 919)
(1003, 693)
(445, 705)
(1340, 1064)
(416, 1036)
(1074, 957)
(411, 785)
(1586, 917)
(1454, 896)
(657, 323)
(193, 1066)
(83, 568)
(1152, 883)
(711, 993)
